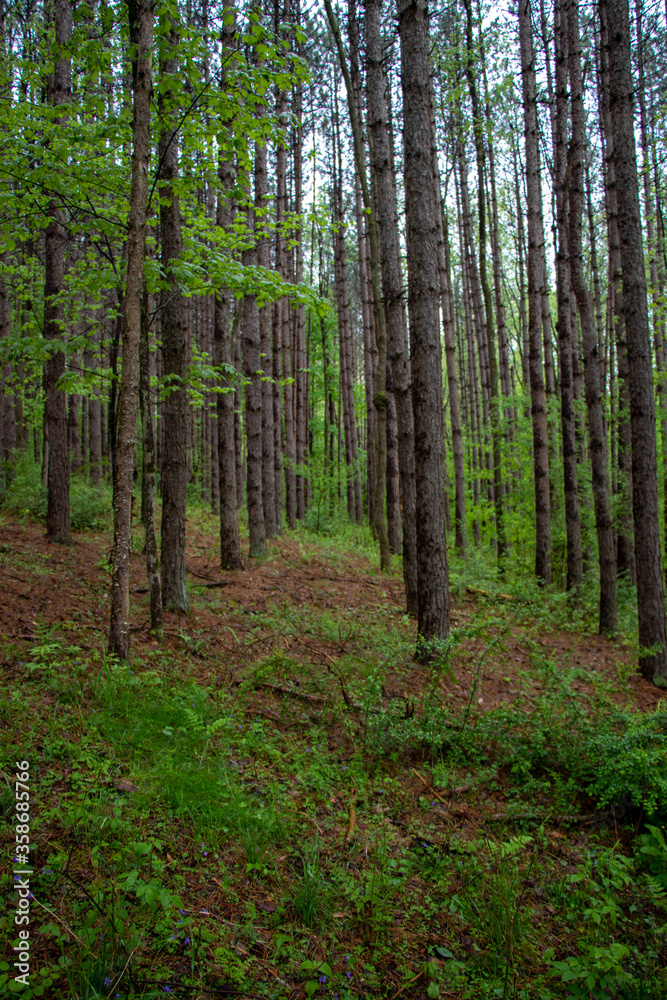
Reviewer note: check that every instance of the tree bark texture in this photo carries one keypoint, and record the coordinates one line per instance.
(592, 380)
(625, 556)
(175, 413)
(141, 36)
(230, 540)
(149, 473)
(392, 290)
(252, 370)
(563, 292)
(650, 596)
(535, 281)
(55, 249)
(380, 399)
(423, 305)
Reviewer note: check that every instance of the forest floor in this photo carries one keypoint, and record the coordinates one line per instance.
(276, 800)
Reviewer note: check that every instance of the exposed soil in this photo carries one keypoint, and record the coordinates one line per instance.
(42, 584)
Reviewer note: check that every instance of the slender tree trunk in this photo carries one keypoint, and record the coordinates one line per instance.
(392, 288)
(393, 479)
(253, 397)
(535, 280)
(450, 355)
(288, 407)
(381, 399)
(174, 472)
(624, 543)
(423, 305)
(55, 247)
(5, 333)
(656, 264)
(650, 596)
(494, 400)
(521, 244)
(266, 361)
(301, 408)
(149, 473)
(568, 426)
(141, 38)
(597, 437)
(230, 542)
(238, 430)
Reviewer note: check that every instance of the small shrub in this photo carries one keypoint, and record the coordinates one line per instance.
(631, 764)
(25, 496)
(90, 506)
(652, 850)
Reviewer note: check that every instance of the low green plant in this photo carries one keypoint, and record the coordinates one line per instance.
(310, 900)
(595, 975)
(90, 505)
(652, 852)
(629, 761)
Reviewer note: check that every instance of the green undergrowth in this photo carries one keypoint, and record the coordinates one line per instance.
(314, 815)
(26, 496)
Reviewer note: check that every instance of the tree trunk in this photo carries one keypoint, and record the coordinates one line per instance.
(266, 361)
(230, 542)
(494, 400)
(650, 597)
(624, 543)
(175, 414)
(149, 473)
(423, 305)
(301, 408)
(392, 288)
(252, 371)
(450, 355)
(535, 281)
(381, 399)
(597, 437)
(568, 427)
(656, 262)
(55, 246)
(141, 38)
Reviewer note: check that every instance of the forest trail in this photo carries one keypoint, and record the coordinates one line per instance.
(48, 586)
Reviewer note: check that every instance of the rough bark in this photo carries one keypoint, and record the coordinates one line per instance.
(252, 371)
(380, 399)
(535, 278)
(443, 250)
(596, 433)
(300, 372)
(392, 290)
(175, 413)
(423, 306)
(650, 596)
(141, 36)
(55, 247)
(494, 399)
(289, 439)
(230, 541)
(624, 542)
(149, 474)
(265, 346)
(563, 291)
